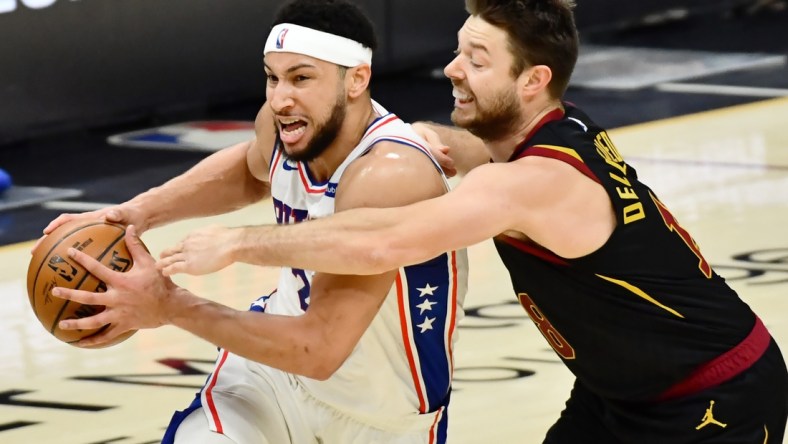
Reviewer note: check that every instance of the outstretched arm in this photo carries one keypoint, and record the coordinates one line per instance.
(543, 199)
(226, 180)
(369, 240)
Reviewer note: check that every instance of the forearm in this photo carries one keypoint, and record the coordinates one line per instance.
(466, 150)
(283, 342)
(354, 242)
(364, 241)
(220, 183)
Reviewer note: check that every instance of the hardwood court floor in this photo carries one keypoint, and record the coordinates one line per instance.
(723, 173)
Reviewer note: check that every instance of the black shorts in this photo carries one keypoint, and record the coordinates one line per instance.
(750, 408)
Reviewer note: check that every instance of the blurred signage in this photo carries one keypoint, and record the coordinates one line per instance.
(12, 5)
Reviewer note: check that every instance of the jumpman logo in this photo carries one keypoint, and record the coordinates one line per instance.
(708, 418)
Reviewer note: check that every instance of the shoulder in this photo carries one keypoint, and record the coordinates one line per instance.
(265, 131)
(390, 174)
(260, 148)
(264, 124)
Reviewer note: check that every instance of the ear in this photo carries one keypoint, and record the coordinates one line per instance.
(357, 80)
(536, 79)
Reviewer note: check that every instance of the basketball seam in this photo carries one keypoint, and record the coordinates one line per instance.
(31, 296)
(98, 258)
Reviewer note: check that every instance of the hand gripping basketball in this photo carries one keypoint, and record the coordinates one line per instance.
(132, 300)
(50, 267)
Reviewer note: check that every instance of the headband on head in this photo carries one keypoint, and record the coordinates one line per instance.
(286, 37)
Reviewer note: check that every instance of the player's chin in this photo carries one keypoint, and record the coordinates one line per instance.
(296, 151)
(462, 117)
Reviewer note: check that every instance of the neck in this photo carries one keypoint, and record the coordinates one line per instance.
(357, 119)
(501, 150)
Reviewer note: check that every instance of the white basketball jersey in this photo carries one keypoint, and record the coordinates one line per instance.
(403, 364)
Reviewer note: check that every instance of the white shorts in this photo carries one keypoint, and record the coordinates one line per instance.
(248, 403)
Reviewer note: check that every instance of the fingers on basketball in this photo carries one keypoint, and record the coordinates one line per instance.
(50, 267)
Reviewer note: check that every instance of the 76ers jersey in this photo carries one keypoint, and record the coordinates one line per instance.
(403, 364)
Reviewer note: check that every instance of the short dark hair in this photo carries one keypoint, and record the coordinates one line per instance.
(540, 32)
(338, 17)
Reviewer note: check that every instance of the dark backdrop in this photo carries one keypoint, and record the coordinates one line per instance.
(68, 64)
(72, 63)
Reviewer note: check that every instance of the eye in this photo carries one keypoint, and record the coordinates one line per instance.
(475, 65)
(301, 78)
(271, 78)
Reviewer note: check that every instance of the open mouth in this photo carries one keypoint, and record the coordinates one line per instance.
(291, 129)
(460, 97)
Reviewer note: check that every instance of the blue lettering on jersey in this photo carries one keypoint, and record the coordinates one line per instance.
(331, 190)
(304, 288)
(286, 215)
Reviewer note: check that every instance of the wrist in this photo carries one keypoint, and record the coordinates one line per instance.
(174, 305)
(234, 244)
(250, 245)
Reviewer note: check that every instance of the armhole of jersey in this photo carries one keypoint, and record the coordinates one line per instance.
(566, 155)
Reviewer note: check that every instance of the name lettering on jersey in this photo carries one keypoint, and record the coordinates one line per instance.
(286, 215)
(605, 148)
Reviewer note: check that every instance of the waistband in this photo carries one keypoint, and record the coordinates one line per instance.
(726, 366)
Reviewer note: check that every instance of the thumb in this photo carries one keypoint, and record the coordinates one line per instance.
(114, 215)
(135, 245)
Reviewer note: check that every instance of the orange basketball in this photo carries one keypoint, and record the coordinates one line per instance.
(51, 267)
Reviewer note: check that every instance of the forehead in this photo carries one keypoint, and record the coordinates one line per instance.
(286, 61)
(478, 33)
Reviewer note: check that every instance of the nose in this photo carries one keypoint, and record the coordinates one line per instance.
(452, 70)
(280, 97)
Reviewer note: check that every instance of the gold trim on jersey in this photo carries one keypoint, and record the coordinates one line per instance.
(562, 149)
(641, 294)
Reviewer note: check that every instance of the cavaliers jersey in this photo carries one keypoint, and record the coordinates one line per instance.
(402, 366)
(642, 312)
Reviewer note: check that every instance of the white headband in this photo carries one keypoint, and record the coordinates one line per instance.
(342, 51)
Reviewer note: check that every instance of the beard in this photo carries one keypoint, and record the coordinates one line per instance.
(494, 121)
(325, 133)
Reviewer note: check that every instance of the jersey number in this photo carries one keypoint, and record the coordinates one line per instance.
(555, 339)
(673, 225)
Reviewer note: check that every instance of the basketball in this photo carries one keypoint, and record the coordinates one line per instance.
(51, 267)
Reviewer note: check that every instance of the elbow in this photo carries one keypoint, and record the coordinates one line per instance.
(322, 367)
(322, 373)
(381, 256)
(321, 356)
